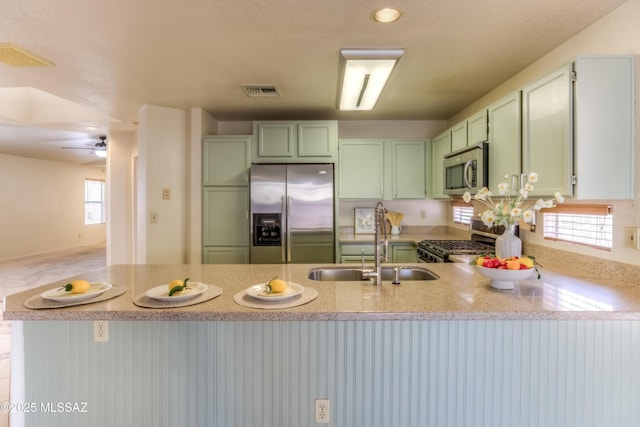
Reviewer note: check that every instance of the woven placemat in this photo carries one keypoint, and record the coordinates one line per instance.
(36, 302)
(245, 300)
(142, 300)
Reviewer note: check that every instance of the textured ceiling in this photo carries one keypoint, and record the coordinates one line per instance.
(115, 56)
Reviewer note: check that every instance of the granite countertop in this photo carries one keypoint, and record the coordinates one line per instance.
(460, 293)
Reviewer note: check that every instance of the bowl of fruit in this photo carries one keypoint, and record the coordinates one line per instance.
(503, 272)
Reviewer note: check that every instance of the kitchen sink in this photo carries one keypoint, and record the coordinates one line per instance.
(350, 274)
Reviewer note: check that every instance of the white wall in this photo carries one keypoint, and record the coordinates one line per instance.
(162, 163)
(43, 206)
(617, 33)
(120, 205)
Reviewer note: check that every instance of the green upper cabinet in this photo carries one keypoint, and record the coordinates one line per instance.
(317, 139)
(547, 132)
(477, 128)
(275, 139)
(295, 141)
(470, 131)
(361, 166)
(505, 139)
(440, 146)
(225, 160)
(364, 173)
(604, 127)
(459, 136)
(409, 169)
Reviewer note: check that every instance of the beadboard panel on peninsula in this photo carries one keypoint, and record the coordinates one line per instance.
(375, 373)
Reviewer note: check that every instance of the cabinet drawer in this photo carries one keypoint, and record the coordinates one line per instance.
(352, 259)
(357, 249)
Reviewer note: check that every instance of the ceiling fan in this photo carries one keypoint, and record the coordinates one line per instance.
(100, 148)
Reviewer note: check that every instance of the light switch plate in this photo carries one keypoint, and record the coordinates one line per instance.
(632, 237)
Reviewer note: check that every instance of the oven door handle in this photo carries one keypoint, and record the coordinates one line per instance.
(465, 173)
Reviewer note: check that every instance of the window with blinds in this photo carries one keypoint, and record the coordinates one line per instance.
(590, 225)
(462, 214)
(94, 202)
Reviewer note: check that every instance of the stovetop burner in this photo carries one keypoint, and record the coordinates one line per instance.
(482, 242)
(455, 247)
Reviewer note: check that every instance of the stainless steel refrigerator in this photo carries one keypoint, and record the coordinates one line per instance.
(292, 213)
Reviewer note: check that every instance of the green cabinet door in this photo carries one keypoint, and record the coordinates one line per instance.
(547, 132)
(403, 252)
(441, 146)
(505, 139)
(459, 136)
(477, 130)
(276, 139)
(317, 139)
(225, 160)
(225, 255)
(409, 169)
(361, 166)
(225, 220)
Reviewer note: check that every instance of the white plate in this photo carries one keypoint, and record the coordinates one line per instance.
(60, 295)
(161, 293)
(258, 291)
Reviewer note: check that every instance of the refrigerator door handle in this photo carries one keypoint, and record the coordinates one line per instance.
(288, 229)
(284, 218)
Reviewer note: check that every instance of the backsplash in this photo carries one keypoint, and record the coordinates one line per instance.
(576, 264)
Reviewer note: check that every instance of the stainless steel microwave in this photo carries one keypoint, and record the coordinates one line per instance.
(466, 169)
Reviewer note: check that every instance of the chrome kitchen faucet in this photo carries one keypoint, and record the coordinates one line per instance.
(377, 273)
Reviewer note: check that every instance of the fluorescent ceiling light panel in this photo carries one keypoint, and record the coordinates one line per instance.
(365, 73)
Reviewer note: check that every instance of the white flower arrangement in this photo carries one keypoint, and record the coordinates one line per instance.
(509, 210)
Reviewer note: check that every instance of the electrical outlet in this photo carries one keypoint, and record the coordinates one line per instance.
(166, 193)
(323, 411)
(632, 237)
(423, 214)
(153, 217)
(100, 331)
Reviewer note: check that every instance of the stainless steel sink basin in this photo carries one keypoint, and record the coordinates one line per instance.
(351, 274)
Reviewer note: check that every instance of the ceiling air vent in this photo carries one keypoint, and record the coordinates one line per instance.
(261, 91)
(16, 56)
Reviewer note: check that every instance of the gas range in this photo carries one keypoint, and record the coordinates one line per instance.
(482, 242)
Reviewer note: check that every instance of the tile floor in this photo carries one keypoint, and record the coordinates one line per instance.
(28, 272)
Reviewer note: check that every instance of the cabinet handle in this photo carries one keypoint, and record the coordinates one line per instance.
(284, 218)
(288, 229)
(514, 182)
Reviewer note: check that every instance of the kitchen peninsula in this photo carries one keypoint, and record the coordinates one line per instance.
(556, 351)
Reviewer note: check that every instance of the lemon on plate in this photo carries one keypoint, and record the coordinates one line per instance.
(77, 286)
(276, 286)
(177, 286)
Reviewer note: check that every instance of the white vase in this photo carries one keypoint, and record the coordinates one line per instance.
(508, 244)
(395, 229)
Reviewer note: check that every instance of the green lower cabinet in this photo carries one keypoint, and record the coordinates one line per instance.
(404, 252)
(353, 253)
(225, 255)
(225, 225)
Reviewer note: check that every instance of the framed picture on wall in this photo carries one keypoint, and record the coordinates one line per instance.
(364, 220)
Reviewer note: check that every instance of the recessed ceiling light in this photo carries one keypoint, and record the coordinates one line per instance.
(386, 15)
